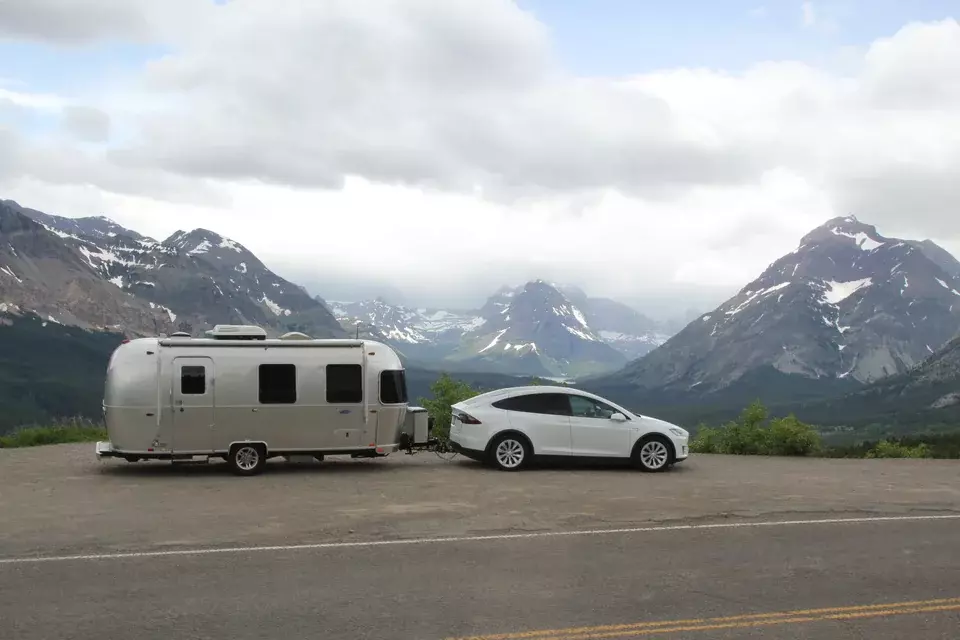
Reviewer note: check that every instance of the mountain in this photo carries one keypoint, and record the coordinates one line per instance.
(619, 325)
(420, 334)
(190, 281)
(536, 330)
(938, 254)
(577, 331)
(50, 371)
(926, 394)
(43, 272)
(847, 305)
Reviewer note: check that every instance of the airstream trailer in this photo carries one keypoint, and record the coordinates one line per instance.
(238, 395)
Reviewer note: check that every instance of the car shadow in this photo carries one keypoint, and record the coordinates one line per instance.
(573, 464)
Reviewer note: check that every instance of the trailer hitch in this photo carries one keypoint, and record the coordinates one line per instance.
(434, 444)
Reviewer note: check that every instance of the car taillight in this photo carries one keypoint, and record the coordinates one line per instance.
(466, 418)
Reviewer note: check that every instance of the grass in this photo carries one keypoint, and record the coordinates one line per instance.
(74, 430)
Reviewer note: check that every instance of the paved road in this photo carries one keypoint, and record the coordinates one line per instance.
(877, 580)
(511, 564)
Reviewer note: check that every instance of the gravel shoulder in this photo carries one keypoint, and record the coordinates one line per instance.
(60, 499)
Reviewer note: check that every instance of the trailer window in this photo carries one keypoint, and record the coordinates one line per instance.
(193, 380)
(344, 383)
(393, 387)
(278, 384)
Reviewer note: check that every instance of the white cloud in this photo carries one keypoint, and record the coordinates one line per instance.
(87, 123)
(76, 23)
(441, 145)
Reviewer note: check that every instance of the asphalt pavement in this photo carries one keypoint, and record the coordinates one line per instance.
(420, 548)
(878, 580)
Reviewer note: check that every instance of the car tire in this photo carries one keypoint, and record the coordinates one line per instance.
(247, 458)
(510, 452)
(652, 454)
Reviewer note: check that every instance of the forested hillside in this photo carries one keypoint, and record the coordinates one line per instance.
(50, 371)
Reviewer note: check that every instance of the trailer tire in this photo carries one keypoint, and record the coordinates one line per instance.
(247, 458)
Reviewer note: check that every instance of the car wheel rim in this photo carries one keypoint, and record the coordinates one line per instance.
(510, 453)
(247, 458)
(654, 454)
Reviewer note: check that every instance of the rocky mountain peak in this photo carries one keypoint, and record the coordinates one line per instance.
(845, 231)
(847, 303)
(203, 241)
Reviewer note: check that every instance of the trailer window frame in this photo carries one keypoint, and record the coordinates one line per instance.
(191, 375)
(281, 392)
(398, 381)
(353, 395)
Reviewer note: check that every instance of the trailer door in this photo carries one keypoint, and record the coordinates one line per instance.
(193, 406)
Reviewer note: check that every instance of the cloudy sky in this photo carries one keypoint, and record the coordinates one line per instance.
(433, 150)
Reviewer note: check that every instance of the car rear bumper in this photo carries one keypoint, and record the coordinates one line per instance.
(473, 454)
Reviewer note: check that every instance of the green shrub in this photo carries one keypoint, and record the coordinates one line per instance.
(446, 393)
(78, 430)
(706, 440)
(790, 437)
(888, 449)
(754, 434)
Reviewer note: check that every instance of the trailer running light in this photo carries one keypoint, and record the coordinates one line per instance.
(466, 418)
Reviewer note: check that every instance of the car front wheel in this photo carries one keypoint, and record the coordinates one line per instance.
(652, 454)
(509, 452)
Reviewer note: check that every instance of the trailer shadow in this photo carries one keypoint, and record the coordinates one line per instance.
(166, 469)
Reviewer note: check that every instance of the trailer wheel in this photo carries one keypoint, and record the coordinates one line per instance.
(247, 459)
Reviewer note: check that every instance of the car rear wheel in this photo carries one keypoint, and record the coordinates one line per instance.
(509, 452)
(652, 454)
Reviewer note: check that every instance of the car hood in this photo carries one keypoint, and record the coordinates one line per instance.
(662, 424)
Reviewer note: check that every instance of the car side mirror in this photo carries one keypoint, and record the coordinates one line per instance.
(618, 417)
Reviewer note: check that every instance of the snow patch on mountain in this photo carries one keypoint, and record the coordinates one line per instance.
(837, 292)
(10, 273)
(862, 240)
(495, 340)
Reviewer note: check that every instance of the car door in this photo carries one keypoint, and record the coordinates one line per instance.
(594, 433)
(544, 417)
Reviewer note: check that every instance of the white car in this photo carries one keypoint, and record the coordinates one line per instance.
(508, 427)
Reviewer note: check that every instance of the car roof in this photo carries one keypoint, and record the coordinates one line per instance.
(491, 396)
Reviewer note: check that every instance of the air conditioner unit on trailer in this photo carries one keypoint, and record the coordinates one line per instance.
(237, 332)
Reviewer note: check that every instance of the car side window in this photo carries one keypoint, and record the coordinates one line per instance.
(582, 407)
(543, 403)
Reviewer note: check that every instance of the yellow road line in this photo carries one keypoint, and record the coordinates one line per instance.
(755, 619)
(755, 624)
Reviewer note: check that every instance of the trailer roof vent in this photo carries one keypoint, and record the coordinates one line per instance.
(237, 332)
(295, 335)
(179, 334)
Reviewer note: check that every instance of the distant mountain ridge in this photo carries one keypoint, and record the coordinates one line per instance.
(538, 328)
(190, 281)
(41, 272)
(847, 303)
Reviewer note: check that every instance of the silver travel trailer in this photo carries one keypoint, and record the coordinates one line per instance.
(246, 398)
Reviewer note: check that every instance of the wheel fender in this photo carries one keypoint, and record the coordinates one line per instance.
(509, 432)
(650, 436)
